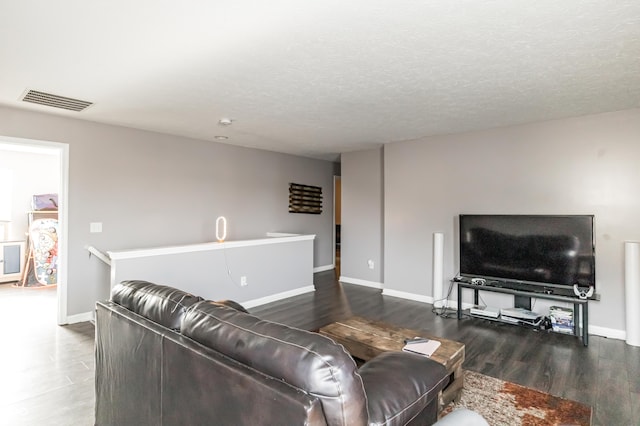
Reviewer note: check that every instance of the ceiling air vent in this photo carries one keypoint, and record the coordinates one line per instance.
(56, 101)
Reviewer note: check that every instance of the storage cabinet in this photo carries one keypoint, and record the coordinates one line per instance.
(12, 258)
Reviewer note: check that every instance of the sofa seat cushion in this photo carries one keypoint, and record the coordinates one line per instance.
(305, 360)
(399, 386)
(161, 304)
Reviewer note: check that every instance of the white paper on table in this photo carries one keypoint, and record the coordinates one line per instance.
(423, 348)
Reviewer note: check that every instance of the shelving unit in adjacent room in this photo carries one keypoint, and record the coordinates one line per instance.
(12, 258)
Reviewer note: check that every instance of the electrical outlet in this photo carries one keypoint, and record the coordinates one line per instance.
(371, 264)
(243, 281)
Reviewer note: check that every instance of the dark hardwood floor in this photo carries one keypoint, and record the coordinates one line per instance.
(48, 371)
(605, 375)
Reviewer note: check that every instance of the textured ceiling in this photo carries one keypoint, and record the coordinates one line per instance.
(317, 78)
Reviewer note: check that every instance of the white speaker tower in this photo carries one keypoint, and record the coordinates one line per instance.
(438, 269)
(632, 291)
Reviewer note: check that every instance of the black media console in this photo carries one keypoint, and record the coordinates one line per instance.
(523, 295)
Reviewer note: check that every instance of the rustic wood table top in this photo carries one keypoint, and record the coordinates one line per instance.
(366, 339)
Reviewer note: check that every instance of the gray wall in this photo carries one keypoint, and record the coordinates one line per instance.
(362, 215)
(585, 165)
(269, 269)
(150, 189)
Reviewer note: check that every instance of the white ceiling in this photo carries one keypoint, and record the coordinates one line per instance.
(317, 78)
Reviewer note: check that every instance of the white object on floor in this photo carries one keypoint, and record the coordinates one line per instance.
(485, 311)
(520, 313)
(462, 417)
(438, 269)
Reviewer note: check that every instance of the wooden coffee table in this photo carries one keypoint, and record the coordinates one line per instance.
(365, 339)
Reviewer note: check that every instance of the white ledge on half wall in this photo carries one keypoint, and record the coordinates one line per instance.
(100, 255)
(272, 238)
(252, 271)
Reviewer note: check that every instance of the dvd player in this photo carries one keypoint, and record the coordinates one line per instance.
(519, 313)
(485, 311)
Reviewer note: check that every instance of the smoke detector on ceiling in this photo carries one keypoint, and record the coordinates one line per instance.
(225, 122)
(56, 101)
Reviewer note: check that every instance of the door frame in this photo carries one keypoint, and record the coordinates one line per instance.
(61, 150)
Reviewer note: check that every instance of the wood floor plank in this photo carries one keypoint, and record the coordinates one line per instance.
(606, 374)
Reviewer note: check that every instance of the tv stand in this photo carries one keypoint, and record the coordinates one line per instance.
(523, 299)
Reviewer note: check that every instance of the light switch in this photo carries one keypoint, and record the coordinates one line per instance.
(95, 227)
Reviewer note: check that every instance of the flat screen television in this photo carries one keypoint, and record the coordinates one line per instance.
(547, 250)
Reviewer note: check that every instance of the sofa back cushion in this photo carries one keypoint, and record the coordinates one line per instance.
(306, 360)
(161, 304)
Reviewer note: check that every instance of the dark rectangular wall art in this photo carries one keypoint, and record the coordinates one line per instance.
(305, 199)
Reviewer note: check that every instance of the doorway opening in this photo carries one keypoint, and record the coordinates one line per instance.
(35, 168)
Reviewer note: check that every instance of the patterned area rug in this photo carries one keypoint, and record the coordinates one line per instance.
(509, 404)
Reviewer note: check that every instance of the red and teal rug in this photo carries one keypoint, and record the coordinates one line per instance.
(505, 403)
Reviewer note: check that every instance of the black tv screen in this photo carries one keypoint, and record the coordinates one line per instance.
(536, 249)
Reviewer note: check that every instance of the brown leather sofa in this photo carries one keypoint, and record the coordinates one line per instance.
(166, 357)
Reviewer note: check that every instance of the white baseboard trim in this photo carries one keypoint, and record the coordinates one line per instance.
(451, 304)
(409, 296)
(358, 281)
(323, 268)
(83, 317)
(607, 332)
(279, 296)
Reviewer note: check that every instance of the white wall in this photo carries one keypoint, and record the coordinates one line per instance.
(362, 217)
(32, 173)
(150, 189)
(584, 165)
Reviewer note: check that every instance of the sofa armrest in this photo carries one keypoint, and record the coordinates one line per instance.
(400, 385)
